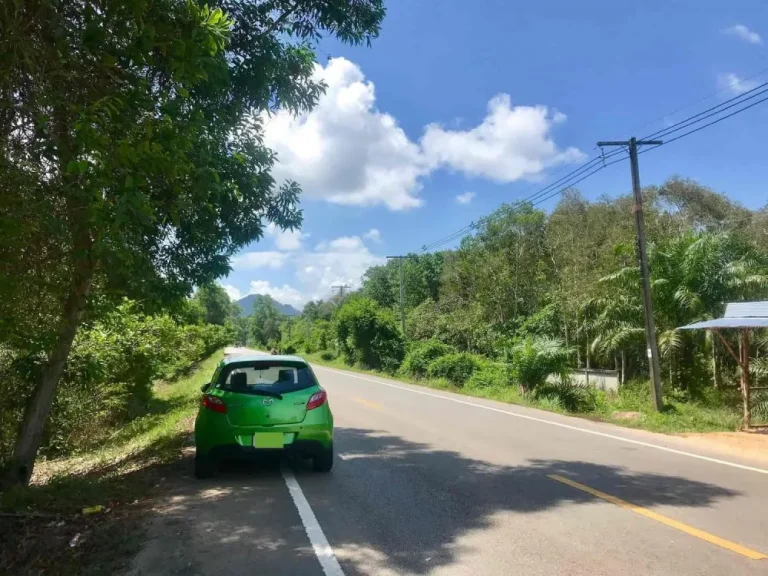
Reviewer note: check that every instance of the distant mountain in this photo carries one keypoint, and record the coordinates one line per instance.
(246, 305)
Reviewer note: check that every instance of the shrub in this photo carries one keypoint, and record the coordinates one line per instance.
(421, 354)
(488, 376)
(368, 335)
(534, 359)
(456, 368)
(571, 397)
(108, 377)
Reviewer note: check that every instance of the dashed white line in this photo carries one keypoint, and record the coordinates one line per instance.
(551, 423)
(322, 548)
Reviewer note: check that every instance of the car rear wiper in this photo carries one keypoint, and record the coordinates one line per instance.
(258, 392)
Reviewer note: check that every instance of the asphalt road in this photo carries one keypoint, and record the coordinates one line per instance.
(429, 482)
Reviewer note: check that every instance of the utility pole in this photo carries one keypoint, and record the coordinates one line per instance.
(650, 328)
(402, 288)
(341, 289)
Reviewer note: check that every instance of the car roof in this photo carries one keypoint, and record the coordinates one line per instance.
(261, 358)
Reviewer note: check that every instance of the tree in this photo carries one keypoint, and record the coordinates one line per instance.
(265, 320)
(132, 152)
(216, 306)
(368, 334)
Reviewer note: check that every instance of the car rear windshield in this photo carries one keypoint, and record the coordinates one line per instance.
(279, 377)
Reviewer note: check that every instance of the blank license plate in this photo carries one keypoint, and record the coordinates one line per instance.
(268, 440)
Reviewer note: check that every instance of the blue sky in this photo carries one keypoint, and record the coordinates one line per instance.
(460, 106)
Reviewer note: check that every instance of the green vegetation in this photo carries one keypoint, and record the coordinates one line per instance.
(133, 165)
(107, 383)
(118, 474)
(531, 297)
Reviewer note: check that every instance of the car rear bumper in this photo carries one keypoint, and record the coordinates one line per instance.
(299, 448)
(239, 442)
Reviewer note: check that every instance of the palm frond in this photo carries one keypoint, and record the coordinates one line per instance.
(670, 341)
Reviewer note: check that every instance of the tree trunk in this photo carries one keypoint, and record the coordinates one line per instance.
(578, 343)
(31, 431)
(717, 374)
(744, 356)
(623, 367)
(588, 358)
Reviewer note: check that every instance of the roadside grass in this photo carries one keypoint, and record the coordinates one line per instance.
(38, 522)
(631, 408)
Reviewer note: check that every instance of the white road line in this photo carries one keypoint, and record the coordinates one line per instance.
(323, 550)
(551, 423)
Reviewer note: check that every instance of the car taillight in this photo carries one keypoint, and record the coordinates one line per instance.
(316, 400)
(214, 403)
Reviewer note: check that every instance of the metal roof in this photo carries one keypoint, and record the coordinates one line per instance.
(746, 310)
(737, 315)
(728, 323)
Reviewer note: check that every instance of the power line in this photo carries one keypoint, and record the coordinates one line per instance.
(707, 125)
(713, 94)
(714, 111)
(603, 167)
(589, 168)
(566, 181)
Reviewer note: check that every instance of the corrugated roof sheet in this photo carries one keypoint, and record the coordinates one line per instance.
(746, 310)
(728, 323)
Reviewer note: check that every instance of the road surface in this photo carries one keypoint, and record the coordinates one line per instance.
(428, 482)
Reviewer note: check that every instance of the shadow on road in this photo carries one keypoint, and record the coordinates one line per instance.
(389, 506)
(413, 503)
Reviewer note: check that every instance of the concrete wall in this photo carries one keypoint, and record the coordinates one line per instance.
(601, 379)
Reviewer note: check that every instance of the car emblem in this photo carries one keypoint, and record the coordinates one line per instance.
(267, 402)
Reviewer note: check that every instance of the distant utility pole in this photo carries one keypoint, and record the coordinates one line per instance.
(650, 328)
(340, 289)
(402, 288)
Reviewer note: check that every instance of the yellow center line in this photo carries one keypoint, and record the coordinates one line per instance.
(367, 403)
(727, 544)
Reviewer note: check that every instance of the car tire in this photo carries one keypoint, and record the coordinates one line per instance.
(204, 466)
(323, 460)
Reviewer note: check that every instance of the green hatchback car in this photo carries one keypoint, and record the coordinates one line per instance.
(256, 404)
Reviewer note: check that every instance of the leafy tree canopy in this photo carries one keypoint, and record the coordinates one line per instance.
(132, 157)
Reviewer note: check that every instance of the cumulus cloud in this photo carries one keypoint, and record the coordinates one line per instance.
(511, 143)
(346, 151)
(373, 234)
(285, 239)
(340, 261)
(735, 84)
(284, 294)
(232, 292)
(265, 259)
(743, 33)
(465, 198)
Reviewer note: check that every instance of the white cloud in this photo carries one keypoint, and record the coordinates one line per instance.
(346, 151)
(232, 292)
(735, 84)
(284, 294)
(511, 143)
(743, 33)
(465, 198)
(373, 234)
(285, 239)
(340, 261)
(265, 259)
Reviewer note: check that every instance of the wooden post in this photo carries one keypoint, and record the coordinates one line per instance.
(745, 376)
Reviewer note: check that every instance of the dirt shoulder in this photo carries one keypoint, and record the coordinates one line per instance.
(748, 445)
